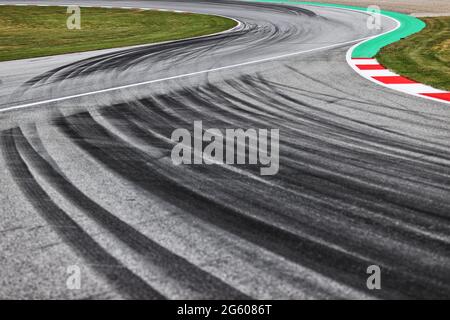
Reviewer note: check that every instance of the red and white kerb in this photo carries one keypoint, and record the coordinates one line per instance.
(374, 71)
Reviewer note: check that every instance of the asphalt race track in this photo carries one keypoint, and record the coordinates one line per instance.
(88, 181)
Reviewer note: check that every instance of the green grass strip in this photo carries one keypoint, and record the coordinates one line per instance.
(408, 26)
(32, 31)
(425, 56)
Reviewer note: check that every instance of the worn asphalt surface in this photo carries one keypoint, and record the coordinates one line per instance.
(88, 181)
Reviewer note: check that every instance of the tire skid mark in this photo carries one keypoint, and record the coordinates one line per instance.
(125, 281)
(306, 281)
(315, 182)
(364, 190)
(124, 59)
(175, 267)
(137, 111)
(384, 219)
(179, 52)
(131, 164)
(347, 153)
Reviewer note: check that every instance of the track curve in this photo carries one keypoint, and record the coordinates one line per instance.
(364, 172)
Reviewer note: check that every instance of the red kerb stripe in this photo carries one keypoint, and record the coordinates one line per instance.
(443, 96)
(394, 80)
(370, 67)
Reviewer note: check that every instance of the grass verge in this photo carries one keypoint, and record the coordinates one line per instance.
(424, 56)
(30, 31)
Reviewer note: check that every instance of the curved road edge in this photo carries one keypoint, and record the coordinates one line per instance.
(407, 25)
(360, 57)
